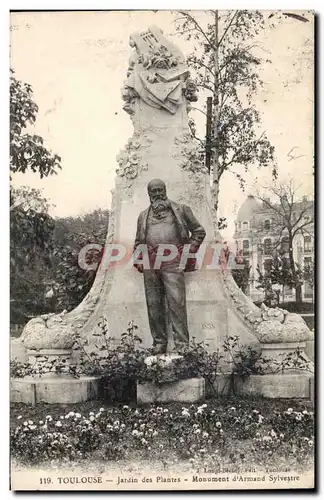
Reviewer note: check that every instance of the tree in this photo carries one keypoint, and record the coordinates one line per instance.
(225, 66)
(290, 217)
(31, 239)
(27, 151)
(69, 282)
(277, 272)
(31, 226)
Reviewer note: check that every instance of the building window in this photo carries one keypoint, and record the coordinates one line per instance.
(267, 225)
(246, 247)
(267, 246)
(245, 225)
(238, 225)
(308, 244)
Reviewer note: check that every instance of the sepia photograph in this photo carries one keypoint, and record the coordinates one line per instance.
(162, 250)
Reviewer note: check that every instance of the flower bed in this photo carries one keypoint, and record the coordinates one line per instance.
(222, 433)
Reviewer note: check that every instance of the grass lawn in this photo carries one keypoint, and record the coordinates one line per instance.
(224, 433)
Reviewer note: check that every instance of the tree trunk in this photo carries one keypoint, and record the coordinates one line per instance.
(216, 119)
(297, 284)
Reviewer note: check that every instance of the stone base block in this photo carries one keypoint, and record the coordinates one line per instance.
(187, 391)
(285, 385)
(56, 390)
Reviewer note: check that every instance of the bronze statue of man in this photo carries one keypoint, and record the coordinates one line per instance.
(169, 223)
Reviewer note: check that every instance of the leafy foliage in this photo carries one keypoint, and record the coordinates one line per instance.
(31, 244)
(27, 151)
(70, 283)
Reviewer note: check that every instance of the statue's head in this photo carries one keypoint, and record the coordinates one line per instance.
(156, 189)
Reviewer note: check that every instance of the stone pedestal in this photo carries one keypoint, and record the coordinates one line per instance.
(283, 385)
(190, 390)
(64, 390)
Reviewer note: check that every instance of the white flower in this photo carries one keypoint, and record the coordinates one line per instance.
(149, 448)
(67, 416)
(255, 411)
(32, 427)
(25, 423)
(30, 422)
(142, 427)
(185, 413)
(101, 409)
(212, 412)
(281, 436)
(266, 438)
(155, 433)
(125, 407)
(116, 423)
(273, 433)
(58, 423)
(199, 411)
(61, 417)
(109, 427)
(289, 411)
(77, 415)
(233, 408)
(19, 417)
(197, 431)
(91, 413)
(305, 412)
(195, 426)
(218, 424)
(49, 418)
(92, 418)
(41, 422)
(205, 435)
(221, 431)
(87, 422)
(161, 446)
(310, 442)
(135, 432)
(143, 441)
(123, 426)
(165, 410)
(71, 414)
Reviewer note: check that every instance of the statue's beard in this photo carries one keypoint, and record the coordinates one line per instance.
(160, 205)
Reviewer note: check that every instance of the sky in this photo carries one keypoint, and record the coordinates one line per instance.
(76, 63)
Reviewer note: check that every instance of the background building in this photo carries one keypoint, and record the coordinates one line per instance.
(257, 237)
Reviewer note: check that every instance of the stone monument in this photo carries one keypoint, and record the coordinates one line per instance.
(157, 95)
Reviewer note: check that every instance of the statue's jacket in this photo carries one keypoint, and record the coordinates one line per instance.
(190, 230)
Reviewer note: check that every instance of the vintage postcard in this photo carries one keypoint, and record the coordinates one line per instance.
(162, 250)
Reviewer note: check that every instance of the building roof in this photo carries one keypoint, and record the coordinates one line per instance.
(248, 208)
